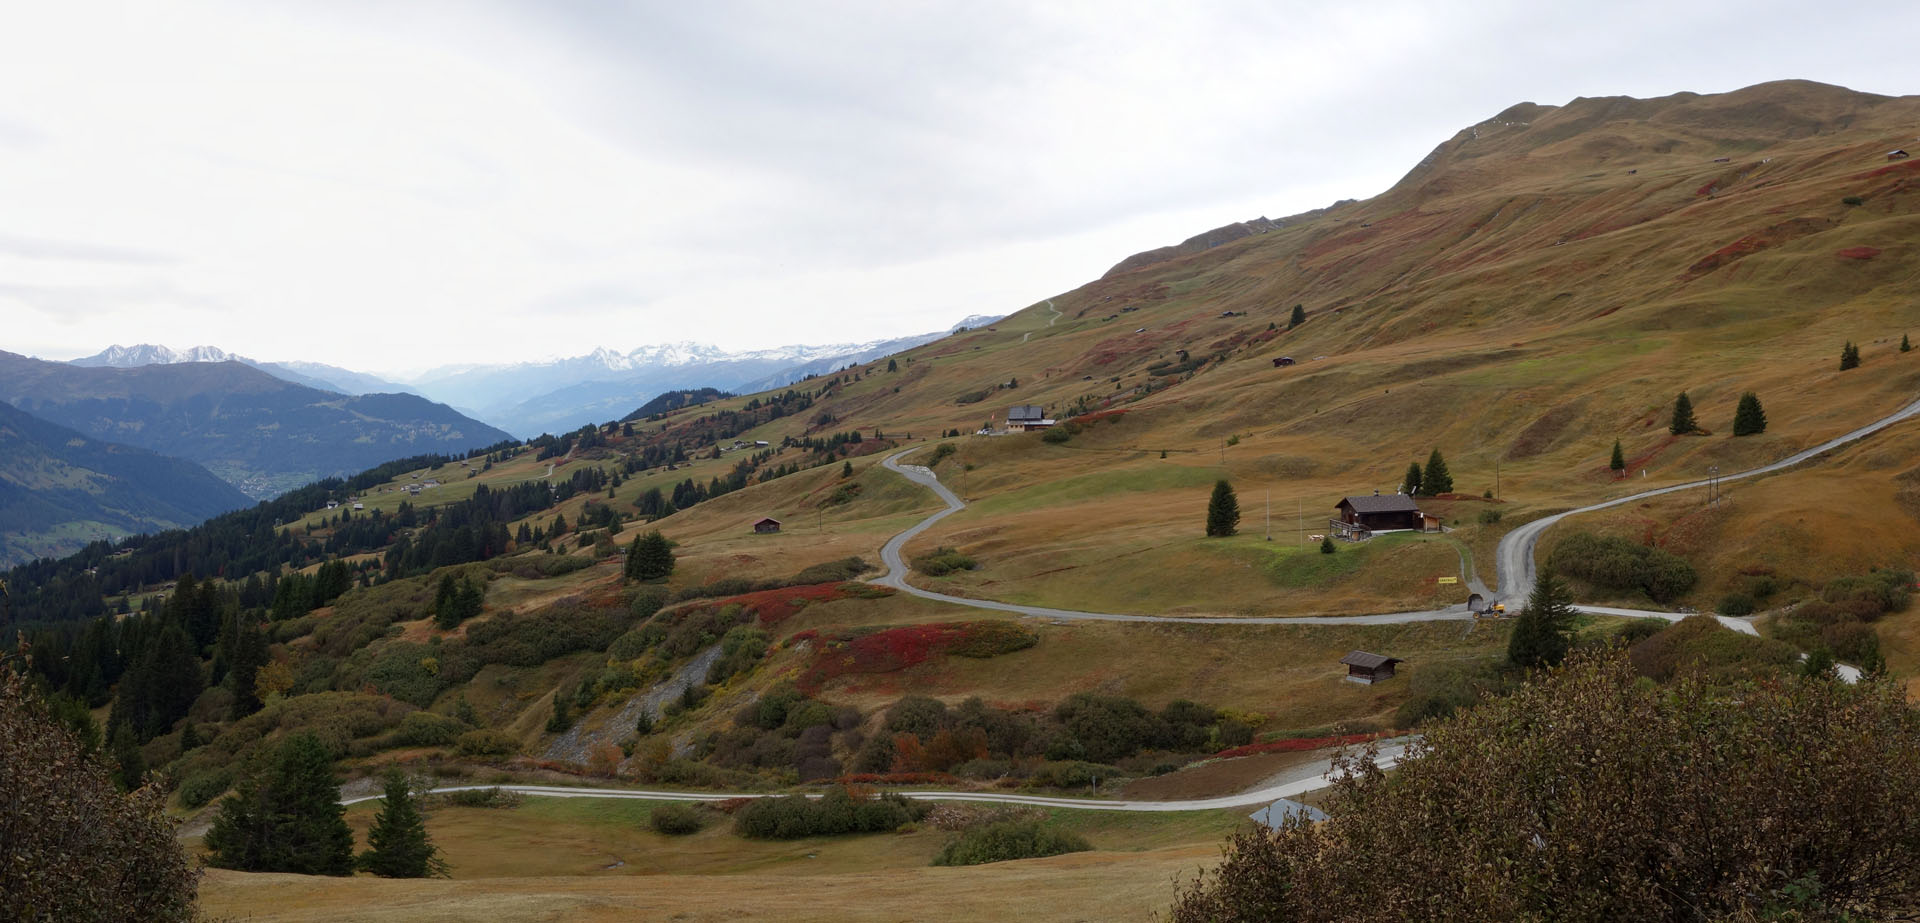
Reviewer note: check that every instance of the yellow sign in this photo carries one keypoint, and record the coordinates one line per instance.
(1449, 579)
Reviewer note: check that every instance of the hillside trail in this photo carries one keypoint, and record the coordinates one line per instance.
(1056, 316)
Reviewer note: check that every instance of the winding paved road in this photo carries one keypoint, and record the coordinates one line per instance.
(1515, 571)
(1513, 557)
(1312, 777)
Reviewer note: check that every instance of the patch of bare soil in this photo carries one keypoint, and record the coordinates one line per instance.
(1218, 778)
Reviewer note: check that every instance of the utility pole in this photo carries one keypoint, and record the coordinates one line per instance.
(1496, 477)
(1269, 514)
(1300, 520)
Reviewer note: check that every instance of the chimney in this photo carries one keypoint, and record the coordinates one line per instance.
(1376, 491)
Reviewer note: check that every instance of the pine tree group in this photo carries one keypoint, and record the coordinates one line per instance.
(1749, 419)
(1544, 630)
(287, 819)
(1618, 464)
(1683, 422)
(455, 602)
(650, 557)
(398, 841)
(1436, 479)
(1299, 316)
(1849, 356)
(1223, 511)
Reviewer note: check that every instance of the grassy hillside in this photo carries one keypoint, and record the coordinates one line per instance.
(1539, 287)
(60, 490)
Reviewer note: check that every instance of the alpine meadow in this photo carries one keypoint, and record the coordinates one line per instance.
(1533, 539)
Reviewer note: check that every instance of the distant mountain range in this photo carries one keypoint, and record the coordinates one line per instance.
(256, 431)
(557, 395)
(311, 374)
(60, 490)
(530, 398)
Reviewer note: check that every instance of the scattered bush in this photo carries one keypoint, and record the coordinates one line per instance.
(1735, 604)
(1616, 564)
(478, 798)
(677, 818)
(1489, 517)
(1852, 201)
(486, 742)
(1073, 774)
(943, 561)
(837, 813)
(1699, 644)
(1007, 840)
(197, 790)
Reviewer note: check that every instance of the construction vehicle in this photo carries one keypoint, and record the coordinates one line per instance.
(1481, 608)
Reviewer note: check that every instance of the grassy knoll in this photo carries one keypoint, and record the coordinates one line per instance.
(597, 859)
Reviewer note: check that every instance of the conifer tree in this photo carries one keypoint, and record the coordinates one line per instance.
(650, 557)
(1905, 346)
(893, 365)
(130, 765)
(1326, 544)
(1618, 463)
(1436, 479)
(1849, 356)
(286, 819)
(1411, 483)
(1748, 418)
(1299, 316)
(1544, 630)
(846, 469)
(1223, 511)
(398, 841)
(1683, 422)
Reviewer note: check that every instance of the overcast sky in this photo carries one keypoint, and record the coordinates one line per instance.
(390, 186)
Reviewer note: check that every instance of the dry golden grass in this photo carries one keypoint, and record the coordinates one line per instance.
(592, 859)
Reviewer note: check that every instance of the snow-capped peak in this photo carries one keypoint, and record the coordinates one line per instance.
(129, 357)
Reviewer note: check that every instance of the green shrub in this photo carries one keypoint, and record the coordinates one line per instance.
(1056, 435)
(480, 798)
(1007, 840)
(941, 453)
(837, 813)
(943, 561)
(1700, 644)
(1852, 200)
(486, 742)
(740, 650)
(1735, 604)
(202, 787)
(1489, 517)
(1617, 564)
(1640, 630)
(677, 818)
(991, 639)
(838, 571)
(1072, 774)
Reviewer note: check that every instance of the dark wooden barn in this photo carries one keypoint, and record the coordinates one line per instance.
(1282, 361)
(1378, 513)
(767, 524)
(1363, 667)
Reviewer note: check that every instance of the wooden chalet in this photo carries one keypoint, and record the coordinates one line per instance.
(1897, 154)
(1363, 667)
(766, 524)
(1282, 361)
(1027, 417)
(1360, 517)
